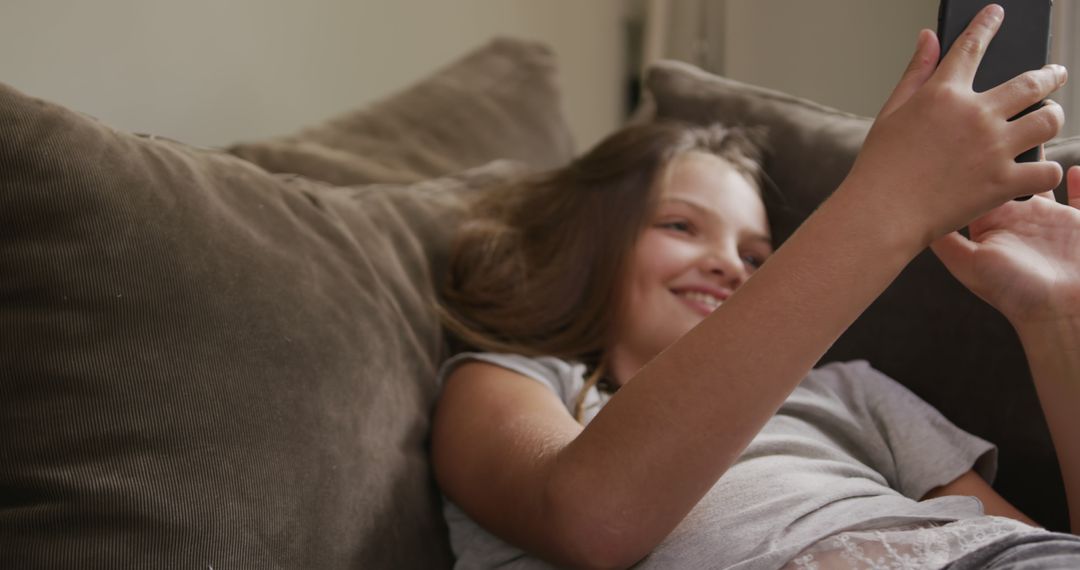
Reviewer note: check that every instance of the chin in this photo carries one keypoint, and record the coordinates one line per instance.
(677, 334)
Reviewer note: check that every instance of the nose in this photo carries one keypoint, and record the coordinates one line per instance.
(727, 264)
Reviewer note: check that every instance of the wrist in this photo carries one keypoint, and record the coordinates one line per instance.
(881, 219)
(1060, 335)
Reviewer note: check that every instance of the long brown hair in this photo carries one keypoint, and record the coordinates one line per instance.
(535, 269)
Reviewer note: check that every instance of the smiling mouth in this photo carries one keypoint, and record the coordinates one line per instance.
(702, 302)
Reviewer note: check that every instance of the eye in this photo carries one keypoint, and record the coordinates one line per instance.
(754, 261)
(678, 225)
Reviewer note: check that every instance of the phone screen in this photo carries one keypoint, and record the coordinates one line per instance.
(1022, 43)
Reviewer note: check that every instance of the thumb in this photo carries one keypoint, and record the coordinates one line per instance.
(1072, 185)
(922, 66)
(957, 253)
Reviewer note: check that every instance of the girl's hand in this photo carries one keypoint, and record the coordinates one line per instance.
(1023, 257)
(940, 154)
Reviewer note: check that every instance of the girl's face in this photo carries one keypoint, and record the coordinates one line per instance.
(708, 235)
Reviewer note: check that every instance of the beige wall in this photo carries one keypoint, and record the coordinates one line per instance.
(843, 53)
(212, 72)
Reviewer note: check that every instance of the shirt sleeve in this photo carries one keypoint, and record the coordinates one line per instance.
(926, 450)
(559, 376)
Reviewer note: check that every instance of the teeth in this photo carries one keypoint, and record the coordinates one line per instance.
(707, 299)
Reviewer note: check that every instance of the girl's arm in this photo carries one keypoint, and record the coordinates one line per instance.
(1053, 352)
(1024, 259)
(972, 484)
(938, 156)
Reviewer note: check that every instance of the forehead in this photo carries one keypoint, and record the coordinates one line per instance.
(709, 182)
(696, 170)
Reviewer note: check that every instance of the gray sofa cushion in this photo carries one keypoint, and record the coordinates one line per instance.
(205, 365)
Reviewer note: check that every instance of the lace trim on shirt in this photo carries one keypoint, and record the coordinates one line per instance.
(922, 546)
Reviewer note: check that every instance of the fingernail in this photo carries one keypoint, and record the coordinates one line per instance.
(996, 12)
(1059, 71)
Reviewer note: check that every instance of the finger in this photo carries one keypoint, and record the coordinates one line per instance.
(1036, 127)
(1030, 178)
(1027, 89)
(968, 49)
(1072, 186)
(919, 69)
(1049, 194)
(956, 252)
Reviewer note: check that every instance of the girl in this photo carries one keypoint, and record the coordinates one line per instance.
(632, 409)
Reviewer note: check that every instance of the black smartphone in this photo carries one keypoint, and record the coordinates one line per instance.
(1022, 43)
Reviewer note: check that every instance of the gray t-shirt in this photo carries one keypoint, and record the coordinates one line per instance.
(850, 449)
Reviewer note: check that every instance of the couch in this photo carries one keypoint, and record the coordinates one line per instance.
(225, 358)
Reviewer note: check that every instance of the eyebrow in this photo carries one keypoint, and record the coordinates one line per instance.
(709, 212)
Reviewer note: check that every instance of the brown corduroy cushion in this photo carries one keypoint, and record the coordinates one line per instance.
(501, 101)
(203, 365)
(926, 330)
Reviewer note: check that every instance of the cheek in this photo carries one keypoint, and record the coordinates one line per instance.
(657, 261)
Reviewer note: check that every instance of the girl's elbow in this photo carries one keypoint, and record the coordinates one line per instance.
(591, 536)
(591, 549)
